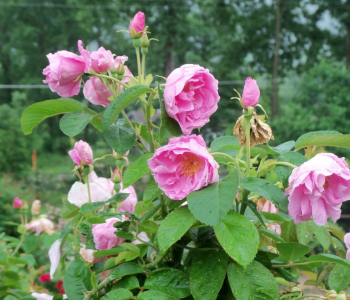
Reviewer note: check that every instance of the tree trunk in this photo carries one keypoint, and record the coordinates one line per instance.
(276, 58)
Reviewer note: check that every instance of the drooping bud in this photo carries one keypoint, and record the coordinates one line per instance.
(137, 25)
(251, 93)
(36, 206)
(18, 203)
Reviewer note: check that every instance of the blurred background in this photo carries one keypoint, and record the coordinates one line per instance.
(298, 50)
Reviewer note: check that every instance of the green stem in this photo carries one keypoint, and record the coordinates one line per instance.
(149, 125)
(138, 63)
(143, 67)
(224, 155)
(245, 194)
(156, 261)
(163, 210)
(148, 244)
(274, 163)
(247, 141)
(111, 78)
(102, 285)
(291, 265)
(309, 296)
(86, 179)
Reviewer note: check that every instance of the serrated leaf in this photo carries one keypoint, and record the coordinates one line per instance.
(89, 207)
(305, 231)
(154, 295)
(207, 274)
(267, 190)
(210, 204)
(136, 170)
(122, 101)
(290, 252)
(287, 146)
(118, 294)
(127, 282)
(174, 226)
(75, 122)
(169, 281)
(322, 236)
(330, 258)
(255, 282)
(289, 232)
(36, 113)
(151, 192)
(339, 278)
(239, 237)
(324, 138)
(272, 235)
(122, 270)
(121, 137)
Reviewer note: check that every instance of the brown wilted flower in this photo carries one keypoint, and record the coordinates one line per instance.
(260, 132)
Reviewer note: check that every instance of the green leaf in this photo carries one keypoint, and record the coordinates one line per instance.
(69, 210)
(168, 126)
(154, 295)
(81, 271)
(174, 226)
(272, 235)
(122, 101)
(207, 274)
(283, 172)
(339, 278)
(255, 282)
(290, 252)
(122, 270)
(267, 190)
(121, 137)
(169, 281)
(278, 217)
(330, 258)
(75, 122)
(222, 144)
(285, 147)
(136, 170)
(334, 140)
(305, 231)
(127, 282)
(322, 235)
(289, 232)
(30, 243)
(33, 115)
(314, 134)
(210, 204)
(141, 207)
(151, 192)
(74, 287)
(89, 207)
(118, 294)
(108, 252)
(239, 237)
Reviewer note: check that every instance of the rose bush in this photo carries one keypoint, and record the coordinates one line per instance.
(248, 222)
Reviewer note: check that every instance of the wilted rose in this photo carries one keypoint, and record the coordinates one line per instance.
(41, 225)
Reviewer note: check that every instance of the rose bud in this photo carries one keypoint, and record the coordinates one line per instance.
(251, 93)
(18, 203)
(45, 277)
(104, 236)
(81, 154)
(137, 25)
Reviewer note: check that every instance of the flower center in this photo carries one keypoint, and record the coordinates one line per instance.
(326, 183)
(191, 165)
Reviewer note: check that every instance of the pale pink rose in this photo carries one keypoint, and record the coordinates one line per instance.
(104, 236)
(81, 154)
(129, 203)
(120, 59)
(137, 25)
(36, 207)
(54, 256)
(44, 296)
(191, 96)
(142, 236)
(318, 188)
(183, 166)
(18, 203)
(63, 74)
(347, 243)
(40, 225)
(251, 93)
(102, 60)
(96, 92)
(87, 254)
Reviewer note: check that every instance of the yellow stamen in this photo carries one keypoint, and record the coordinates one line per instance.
(191, 164)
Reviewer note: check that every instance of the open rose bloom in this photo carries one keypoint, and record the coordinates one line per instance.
(191, 96)
(318, 188)
(183, 166)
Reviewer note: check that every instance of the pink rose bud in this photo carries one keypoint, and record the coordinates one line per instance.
(191, 96)
(102, 60)
(63, 74)
(104, 236)
(137, 25)
(40, 225)
(18, 203)
(36, 206)
(81, 154)
(128, 205)
(183, 166)
(117, 175)
(318, 188)
(251, 93)
(266, 205)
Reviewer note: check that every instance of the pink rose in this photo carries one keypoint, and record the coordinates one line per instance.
(87, 254)
(183, 166)
(18, 203)
(317, 188)
(102, 60)
(97, 93)
(251, 93)
(36, 207)
(81, 154)
(137, 25)
(347, 243)
(104, 236)
(143, 237)
(64, 72)
(191, 96)
(129, 203)
(40, 225)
